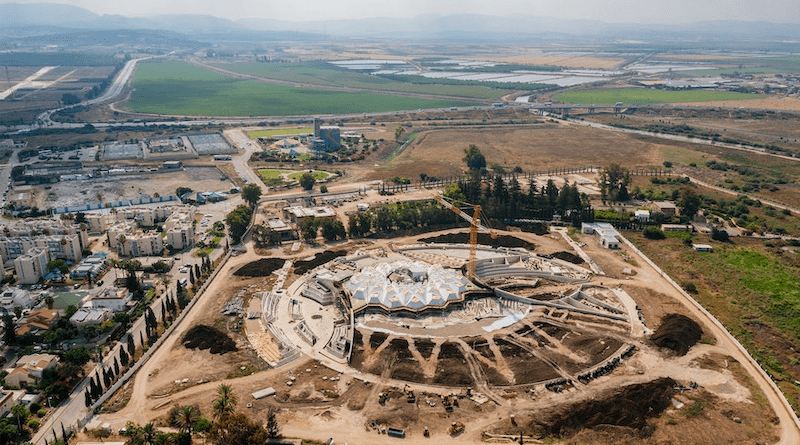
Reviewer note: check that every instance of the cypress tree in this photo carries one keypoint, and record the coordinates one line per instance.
(131, 345)
(123, 356)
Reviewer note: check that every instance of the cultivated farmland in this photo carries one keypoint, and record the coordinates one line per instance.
(323, 74)
(177, 88)
(278, 132)
(646, 96)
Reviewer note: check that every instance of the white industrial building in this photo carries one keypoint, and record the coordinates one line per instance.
(606, 232)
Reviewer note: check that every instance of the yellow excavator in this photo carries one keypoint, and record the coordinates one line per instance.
(474, 226)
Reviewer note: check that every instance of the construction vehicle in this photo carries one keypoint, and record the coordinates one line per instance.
(475, 225)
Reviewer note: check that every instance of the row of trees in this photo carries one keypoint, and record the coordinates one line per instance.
(508, 201)
(400, 216)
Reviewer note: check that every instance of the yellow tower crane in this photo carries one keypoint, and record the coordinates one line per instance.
(474, 226)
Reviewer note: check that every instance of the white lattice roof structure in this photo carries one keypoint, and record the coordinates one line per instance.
(405, 284)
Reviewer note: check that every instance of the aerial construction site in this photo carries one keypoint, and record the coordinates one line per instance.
(463, 335)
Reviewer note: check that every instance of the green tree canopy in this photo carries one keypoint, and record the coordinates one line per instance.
(237, 221)
(307, 181)
(474, 158)
(251, 193)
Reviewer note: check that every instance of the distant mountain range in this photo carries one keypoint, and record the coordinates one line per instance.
(30, 19)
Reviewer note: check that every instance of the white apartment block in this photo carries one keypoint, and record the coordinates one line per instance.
(180, 228)
(67, 247)
(32, 266)
(46, 227)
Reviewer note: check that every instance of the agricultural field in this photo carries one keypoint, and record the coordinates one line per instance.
(255, 134)
(759, 65)
(636, 96)
(324, 74)
(751, 286)
(177, 88)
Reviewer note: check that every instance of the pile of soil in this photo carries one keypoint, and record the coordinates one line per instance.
(569, 257)
(301, 267)
(678, 333)
(483, 238)
(260, 268)
(206, 337)
(629, 407)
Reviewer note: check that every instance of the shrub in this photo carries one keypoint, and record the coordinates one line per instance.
(720, 235)
(652, 232)
(33, 424)
(690, 287)
(40, 412)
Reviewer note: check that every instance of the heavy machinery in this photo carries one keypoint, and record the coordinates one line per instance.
(474, 226)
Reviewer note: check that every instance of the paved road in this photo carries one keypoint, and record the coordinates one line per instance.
(243, 142)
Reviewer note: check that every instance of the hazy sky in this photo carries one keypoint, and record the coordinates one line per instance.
(637, 11)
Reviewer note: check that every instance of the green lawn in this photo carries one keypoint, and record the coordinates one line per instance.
(633, 96)
(271, 173)
(177, 88)
(321, 73)
(318, 175)
(278, 132)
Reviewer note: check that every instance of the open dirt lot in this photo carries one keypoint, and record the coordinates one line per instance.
(439, 152)
(114, 188)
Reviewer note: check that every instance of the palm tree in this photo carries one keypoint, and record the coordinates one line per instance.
(141, 435)
(185, 418)
(20, 414)
(225, 401)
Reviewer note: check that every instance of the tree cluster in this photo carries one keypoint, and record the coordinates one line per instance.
(613, 182)
(503, 199)
(400, 216)
(237, 221)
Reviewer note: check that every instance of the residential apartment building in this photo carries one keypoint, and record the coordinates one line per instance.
(32, 266)
(67, 247)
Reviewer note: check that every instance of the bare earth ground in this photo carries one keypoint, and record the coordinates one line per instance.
(440, 152)
(73, 193)
(317, 408)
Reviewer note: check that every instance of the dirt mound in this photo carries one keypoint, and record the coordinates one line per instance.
(629, 407)
(677, 332)
(301, 267)
(260, 268)
(483, 238)
(569, 257)
(206, 337)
